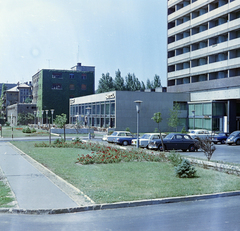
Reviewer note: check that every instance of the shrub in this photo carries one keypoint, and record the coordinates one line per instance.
(7, 124)
(185, 169)
(127, 129)
(174, 158)
(26, 130)
(207, 146)
(33, 130)
(59, 141)
(183, 130)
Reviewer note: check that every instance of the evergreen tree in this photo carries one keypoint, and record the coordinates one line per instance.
(105, 84)
(149, 84)
(119, 82)
(156, 81)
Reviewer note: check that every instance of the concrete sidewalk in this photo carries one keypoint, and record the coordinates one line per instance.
(34, 186)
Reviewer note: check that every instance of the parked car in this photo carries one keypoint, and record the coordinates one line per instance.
(175, 141)
(117, 134)
(125, 140)
(201, 133)
(221, 137)
(234, 138)
(144, 140)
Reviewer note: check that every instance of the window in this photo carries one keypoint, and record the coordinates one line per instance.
(83, 87)
(71, 87)
(84, 76)
(57, 76)
(71, 76)
(56, 86)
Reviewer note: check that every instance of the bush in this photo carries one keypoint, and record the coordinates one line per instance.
(33, 130)
(127, 129)
(27, 130)
(7, 124)
(59, 141)
(185, 169)
(183, 130)
(174, 158)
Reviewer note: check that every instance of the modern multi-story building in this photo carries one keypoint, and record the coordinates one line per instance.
(52, 89)
(204, 59)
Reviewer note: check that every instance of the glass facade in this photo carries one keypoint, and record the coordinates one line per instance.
(101, 114)
(208, 116)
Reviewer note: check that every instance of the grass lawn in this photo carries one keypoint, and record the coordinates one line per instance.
(17, 132)
(105, 183)
(5, 195)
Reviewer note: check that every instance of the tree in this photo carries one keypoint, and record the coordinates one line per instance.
(119, 82)
(105, 84)
(28, 100)
(61, 121)
(173, 120)
(149, 84)
(156, 81)
(25, 118)
(207, 146)
(143, 86)
(158, 119)
(3, 101)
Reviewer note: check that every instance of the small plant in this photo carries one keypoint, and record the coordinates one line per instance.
(207, 146)
(175, 158)
(33, 130)
(127, 129)
(27, 130)
(77, 140)
(185, 169)
(156, 130)
(7, 124)
(183, 130)
(59, 141)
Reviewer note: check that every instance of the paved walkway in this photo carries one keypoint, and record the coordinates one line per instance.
(34, 186)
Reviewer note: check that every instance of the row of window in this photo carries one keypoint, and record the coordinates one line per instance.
(203, 27)
(205, 60)
(58, 86)
(71, 76)
(213, 41)
(95, 109)
(212, 6)
(205, 77)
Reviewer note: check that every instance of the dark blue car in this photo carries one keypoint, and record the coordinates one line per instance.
(124, 140)
(220, 138)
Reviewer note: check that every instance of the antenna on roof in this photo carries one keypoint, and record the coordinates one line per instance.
(49, 61)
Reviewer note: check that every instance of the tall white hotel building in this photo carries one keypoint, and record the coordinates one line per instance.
(204, 60)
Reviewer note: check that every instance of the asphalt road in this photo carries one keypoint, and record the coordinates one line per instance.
(219, 214)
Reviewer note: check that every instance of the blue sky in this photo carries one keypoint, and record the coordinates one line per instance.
(129, 35)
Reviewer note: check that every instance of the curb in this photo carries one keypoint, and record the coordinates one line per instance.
(118, 205)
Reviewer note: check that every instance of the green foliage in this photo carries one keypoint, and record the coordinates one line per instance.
(58, 141)
(61, 120)
(173, 120)
(131, 83)
(25, 118)
(7, 124)
(175, 158)
(127, 129)
(33, 130)
(156, 130)
(207, 146)
(185, 169)
(27, 130)
(28, 100)
(183, 130)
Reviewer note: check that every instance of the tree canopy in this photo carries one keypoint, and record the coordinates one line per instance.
(130, 83)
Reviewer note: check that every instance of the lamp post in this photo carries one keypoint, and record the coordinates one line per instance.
(46, 116)
(52, 111)
(88, 114)
(42, 116)
(34, 118)
(38, 118)
(138, 103)
(193, 114)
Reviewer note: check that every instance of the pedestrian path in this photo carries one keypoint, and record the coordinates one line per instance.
(31, 186)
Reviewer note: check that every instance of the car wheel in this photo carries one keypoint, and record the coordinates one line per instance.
(238, 142)
(215, 142)
(223, 141)
(184, 150)
(192, 148)
(161, 147)
(125, 143)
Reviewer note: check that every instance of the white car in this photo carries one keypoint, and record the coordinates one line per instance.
(201, 133)
(145, 139)
(117, 134)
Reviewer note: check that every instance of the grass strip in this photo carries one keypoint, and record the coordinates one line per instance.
(115, 182)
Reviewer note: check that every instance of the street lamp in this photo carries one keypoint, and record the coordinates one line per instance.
(42, 116)
(138, 103)
(88, 114)
(46, 116)
(38, 118)
(34, 118)
(193, 114)
(52, 111)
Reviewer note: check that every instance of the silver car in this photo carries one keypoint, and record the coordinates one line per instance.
(145, 139)
(117, 134)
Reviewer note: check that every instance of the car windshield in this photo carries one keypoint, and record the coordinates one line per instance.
(145, 136)
(114, 134)
(233, 134)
